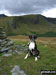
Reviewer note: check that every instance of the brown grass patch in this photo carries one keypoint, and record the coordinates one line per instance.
(45, 40)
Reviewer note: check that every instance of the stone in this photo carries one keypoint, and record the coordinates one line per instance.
(16, 71)
(1, 41)
(4, 49)
(23, 45)
(10, 43)
(18, 52)
(6, 55)
(7, 39)
(21, 72)
(5, 43)
(17, 46)
(25, 48)
(10, 51)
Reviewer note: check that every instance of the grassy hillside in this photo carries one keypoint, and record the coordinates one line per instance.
(47, 48)
(29, 24)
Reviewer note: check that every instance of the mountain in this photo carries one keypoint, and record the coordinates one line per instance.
(29, 24)
(2, 15)
(52, 20)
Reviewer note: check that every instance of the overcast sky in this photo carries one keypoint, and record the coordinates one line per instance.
(23, 7)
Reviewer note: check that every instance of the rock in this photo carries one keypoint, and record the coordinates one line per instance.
(17, 46)
(7, 39)
(6, 55)
(5, 43)
(21, 72)
(16, 71)
(25, 48)
(16, 68)
(23, 45)
(22, 48)
(1, 41)
(18, 52)
(10, 43)
(4, 49)
(10, 51)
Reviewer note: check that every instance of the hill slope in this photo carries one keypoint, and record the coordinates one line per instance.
(28, 24)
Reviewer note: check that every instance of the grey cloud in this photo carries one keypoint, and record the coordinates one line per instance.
(26, 6)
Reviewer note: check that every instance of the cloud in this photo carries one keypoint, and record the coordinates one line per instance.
(50, 13)
(21, 7)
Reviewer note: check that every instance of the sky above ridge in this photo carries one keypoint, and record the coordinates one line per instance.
(25, 7)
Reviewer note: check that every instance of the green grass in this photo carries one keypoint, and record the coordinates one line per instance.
(47, 60)
(47, 34)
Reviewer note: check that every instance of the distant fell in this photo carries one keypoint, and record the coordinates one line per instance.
(3, 15)
(29, 24)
